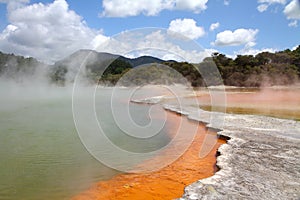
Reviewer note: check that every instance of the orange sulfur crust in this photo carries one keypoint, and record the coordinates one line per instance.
(167, 183)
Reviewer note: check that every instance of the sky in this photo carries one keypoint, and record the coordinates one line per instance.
(50, 30)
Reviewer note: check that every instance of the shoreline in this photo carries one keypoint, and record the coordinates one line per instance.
(260, 161)
(167, 183)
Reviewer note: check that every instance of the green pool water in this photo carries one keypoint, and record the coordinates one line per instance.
(41, 155)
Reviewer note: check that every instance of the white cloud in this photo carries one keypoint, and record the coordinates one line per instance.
(238, 37)
(192, 5)
(124, 8)
(264, 4)
(250, 44)
(98, 40)
(251, 51)
(254, 52)
(295, 47)
(293, 23)
(262, 7)
(272, 1)
(14, 4)
(292, 10)
(214, 26)
(155, 42)
(52, 31)
(46, 31)
(186, 27)
(226, 2)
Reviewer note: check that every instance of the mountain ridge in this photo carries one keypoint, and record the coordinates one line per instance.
(263, 69)
(104, 56)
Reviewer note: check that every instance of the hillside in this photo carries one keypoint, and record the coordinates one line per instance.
(264, 69)
(19, 67)
(99, 65)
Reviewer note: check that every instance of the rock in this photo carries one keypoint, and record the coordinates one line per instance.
(260, 161)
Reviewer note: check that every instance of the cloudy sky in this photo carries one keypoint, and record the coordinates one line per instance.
(52, 29)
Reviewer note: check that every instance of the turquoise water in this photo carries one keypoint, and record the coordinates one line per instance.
(41, 155)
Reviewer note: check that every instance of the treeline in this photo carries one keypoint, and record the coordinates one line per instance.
(108, 73)
(100, 68)
(264, 69)
(15, 67)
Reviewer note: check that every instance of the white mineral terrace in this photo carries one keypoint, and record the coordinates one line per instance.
(261, 160)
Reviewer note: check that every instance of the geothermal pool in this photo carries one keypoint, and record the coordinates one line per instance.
(41, 155)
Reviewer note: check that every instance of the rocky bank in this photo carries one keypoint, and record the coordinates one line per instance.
(261, 160)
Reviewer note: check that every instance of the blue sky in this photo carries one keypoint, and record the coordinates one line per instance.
(50, 30)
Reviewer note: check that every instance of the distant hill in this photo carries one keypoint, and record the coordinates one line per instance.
(97, 57)
(141, 60)
(263, 69)
(96, 64)
(19, 67)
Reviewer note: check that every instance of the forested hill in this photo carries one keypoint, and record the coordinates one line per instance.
(15, 67)
(280, 68)
(264, 69)
(105, 66)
